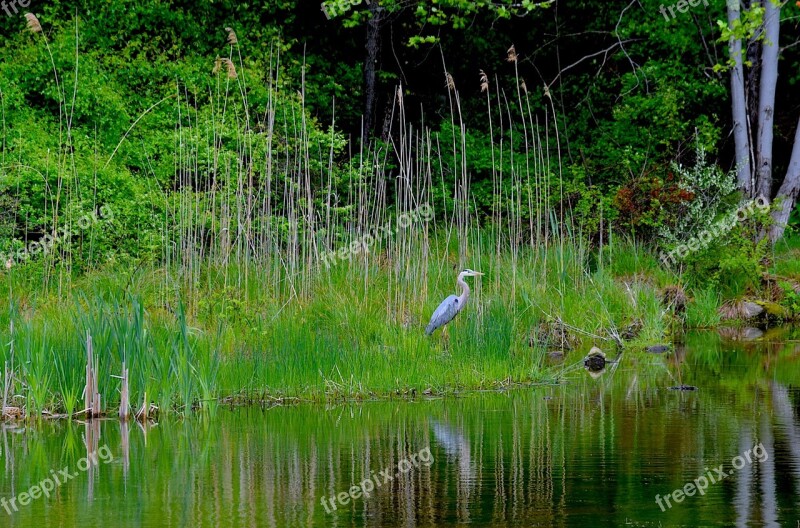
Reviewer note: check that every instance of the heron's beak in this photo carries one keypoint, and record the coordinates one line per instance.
(479, 274)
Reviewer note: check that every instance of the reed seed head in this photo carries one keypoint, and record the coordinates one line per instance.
(512, 54)
(33, 23)
(451, 85)
(232, 40)
(230, 67)
(484, 81)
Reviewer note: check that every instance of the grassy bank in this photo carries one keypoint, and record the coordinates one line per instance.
(356, 332)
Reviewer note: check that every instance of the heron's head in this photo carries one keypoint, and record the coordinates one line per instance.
(471, 273)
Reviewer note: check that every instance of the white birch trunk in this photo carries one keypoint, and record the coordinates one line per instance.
(766, 98)
(744, 175)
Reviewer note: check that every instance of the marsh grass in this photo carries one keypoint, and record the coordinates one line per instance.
(703, 312)
(340, 342)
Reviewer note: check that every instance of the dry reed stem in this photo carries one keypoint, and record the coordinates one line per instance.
(143, 412)
(91, 394)
(124, 403)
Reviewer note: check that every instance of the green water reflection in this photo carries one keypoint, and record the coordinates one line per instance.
(592, 452)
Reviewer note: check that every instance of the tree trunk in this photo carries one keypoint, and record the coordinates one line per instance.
(752, 57)
(373, 48)
(766, 98)
(739, 107)
(787, 194)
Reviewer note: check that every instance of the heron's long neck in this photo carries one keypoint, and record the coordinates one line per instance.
(462, 299)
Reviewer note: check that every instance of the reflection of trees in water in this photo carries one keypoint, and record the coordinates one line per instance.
(598, 451)
(757, 483)
(539, 461)
(744, 482)
(789, 427)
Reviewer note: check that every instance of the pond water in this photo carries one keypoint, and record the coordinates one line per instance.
(593, 451)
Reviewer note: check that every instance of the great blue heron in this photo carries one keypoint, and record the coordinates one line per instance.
(450, 307)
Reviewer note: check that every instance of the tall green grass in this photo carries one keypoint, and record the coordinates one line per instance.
(342, 341)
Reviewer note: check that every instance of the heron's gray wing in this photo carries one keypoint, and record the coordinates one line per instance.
(443, 314)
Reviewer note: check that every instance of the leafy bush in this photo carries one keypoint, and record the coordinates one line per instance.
(733, 263)
(712, 193)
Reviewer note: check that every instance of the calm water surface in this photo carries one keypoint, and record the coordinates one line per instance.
(591, 452)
